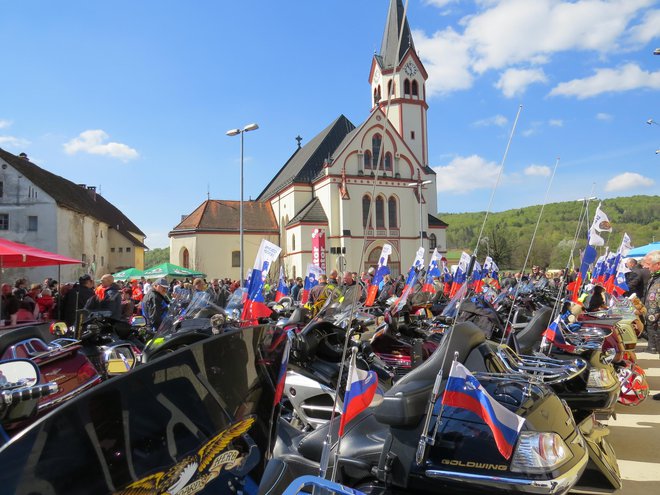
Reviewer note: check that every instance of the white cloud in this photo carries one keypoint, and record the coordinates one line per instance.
(496, 120)
(13, 141)
(446, 58)
(556, 123)
(466, 173)
(628, 180)
(5, 123)
(92, 142)
(439, 3)
(624, 78)
(648, 29)
(514, 82)
(538, 170)
(605, 117)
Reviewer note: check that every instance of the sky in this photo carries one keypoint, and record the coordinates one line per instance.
(135, 97)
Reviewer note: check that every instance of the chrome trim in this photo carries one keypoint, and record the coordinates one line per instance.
(543, 487)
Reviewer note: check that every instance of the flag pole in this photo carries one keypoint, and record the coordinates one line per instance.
(351, 367)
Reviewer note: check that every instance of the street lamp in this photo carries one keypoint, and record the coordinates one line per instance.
(419, 185)
(234, 132)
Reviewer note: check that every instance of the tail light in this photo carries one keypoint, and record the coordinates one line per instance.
(86, 372)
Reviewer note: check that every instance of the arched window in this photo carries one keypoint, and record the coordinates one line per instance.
(390, 88)
(406, 87)
(415, 89)
(293, 242)
(376, 95)
(392, 213)
(366, 204)
(375, 147)
(367, 159)
(380, 212)
(388, 161)
(185, 258)
(433, 242)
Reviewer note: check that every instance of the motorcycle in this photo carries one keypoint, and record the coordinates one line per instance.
(67, 366)
(399, 447)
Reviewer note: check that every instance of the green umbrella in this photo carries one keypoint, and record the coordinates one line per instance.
(170, 270)
(128, 274)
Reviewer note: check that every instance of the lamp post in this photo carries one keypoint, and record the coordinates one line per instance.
(419, 185)
(234, 132)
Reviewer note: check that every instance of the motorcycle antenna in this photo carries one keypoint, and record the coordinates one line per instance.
(327, 444)
(529, 251)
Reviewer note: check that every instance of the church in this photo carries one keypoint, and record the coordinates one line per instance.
(361, 186)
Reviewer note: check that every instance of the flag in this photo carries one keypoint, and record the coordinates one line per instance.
(554, 334)
(254, 306)
(381, 271)
(433, 271)
(417, 265)
(447, 278)
(282, 288)
(491, 269)
(464, 390)
(281, 376)
(311, 279)
(461, 273)
(361, 388)
(477, 277)
(616, 282)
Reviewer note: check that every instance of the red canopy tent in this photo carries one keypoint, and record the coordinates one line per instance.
(14, 255)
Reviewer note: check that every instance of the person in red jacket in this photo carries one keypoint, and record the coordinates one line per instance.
(46, 302)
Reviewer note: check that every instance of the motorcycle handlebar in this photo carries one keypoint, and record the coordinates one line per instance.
(9, 397)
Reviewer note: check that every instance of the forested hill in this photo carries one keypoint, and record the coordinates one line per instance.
(508, 233)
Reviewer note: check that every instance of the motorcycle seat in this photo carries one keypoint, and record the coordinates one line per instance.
(529, 336)
(405, 403)
(363, 439)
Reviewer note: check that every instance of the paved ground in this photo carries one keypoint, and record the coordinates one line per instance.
(635, 435)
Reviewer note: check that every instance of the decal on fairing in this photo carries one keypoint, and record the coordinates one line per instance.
(194, 472)
(475, 465)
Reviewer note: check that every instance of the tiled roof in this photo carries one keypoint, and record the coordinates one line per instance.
(436, 222)
(312, 212)
(307, 162)
(74, 197)
(224, 216)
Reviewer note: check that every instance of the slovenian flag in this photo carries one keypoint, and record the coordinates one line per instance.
(281, 376)
(447, 279)
(477, 277)
(433, 272)
(461, 274)
(554, 334)
(381, 271)
(361, 388)
(417, 265)
(282, 288)
(491, 269)
(311, 279)
(254, 306)
(464, 390)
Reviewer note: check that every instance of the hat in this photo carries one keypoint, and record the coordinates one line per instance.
(371, 270)
(162, 282)
(84, 278)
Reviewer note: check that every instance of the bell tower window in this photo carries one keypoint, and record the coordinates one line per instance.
(415, 88)
(390, 88)
(406, 87)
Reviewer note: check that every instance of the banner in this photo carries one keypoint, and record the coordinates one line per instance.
(318, 249)
(311, 279)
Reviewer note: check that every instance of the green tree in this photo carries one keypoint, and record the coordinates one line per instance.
(156, 256)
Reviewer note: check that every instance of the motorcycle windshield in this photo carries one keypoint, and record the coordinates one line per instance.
(197, 305)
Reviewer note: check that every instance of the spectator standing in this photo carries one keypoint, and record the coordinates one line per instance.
(10, 305)
(106, 297)
(155, 304)
(76, 298)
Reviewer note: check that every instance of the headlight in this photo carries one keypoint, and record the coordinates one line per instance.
(537, 452)
(600, 378)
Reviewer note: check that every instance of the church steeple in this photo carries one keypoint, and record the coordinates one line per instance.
(390, 51)
(398, 82)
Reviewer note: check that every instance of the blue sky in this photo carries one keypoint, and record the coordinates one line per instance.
(136, 97)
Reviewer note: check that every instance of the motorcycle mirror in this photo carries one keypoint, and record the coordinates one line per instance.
(18, 373)
(58, 328)
(138, 321)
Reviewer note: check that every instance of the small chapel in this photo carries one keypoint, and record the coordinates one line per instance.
(362, 186)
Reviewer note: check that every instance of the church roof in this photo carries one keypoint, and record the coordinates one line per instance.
(312, 212)
(391, 52)
(74, 197)
(221, 215)
(436, 222)
(306, 163)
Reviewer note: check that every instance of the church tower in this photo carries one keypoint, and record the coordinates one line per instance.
(397, 70)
